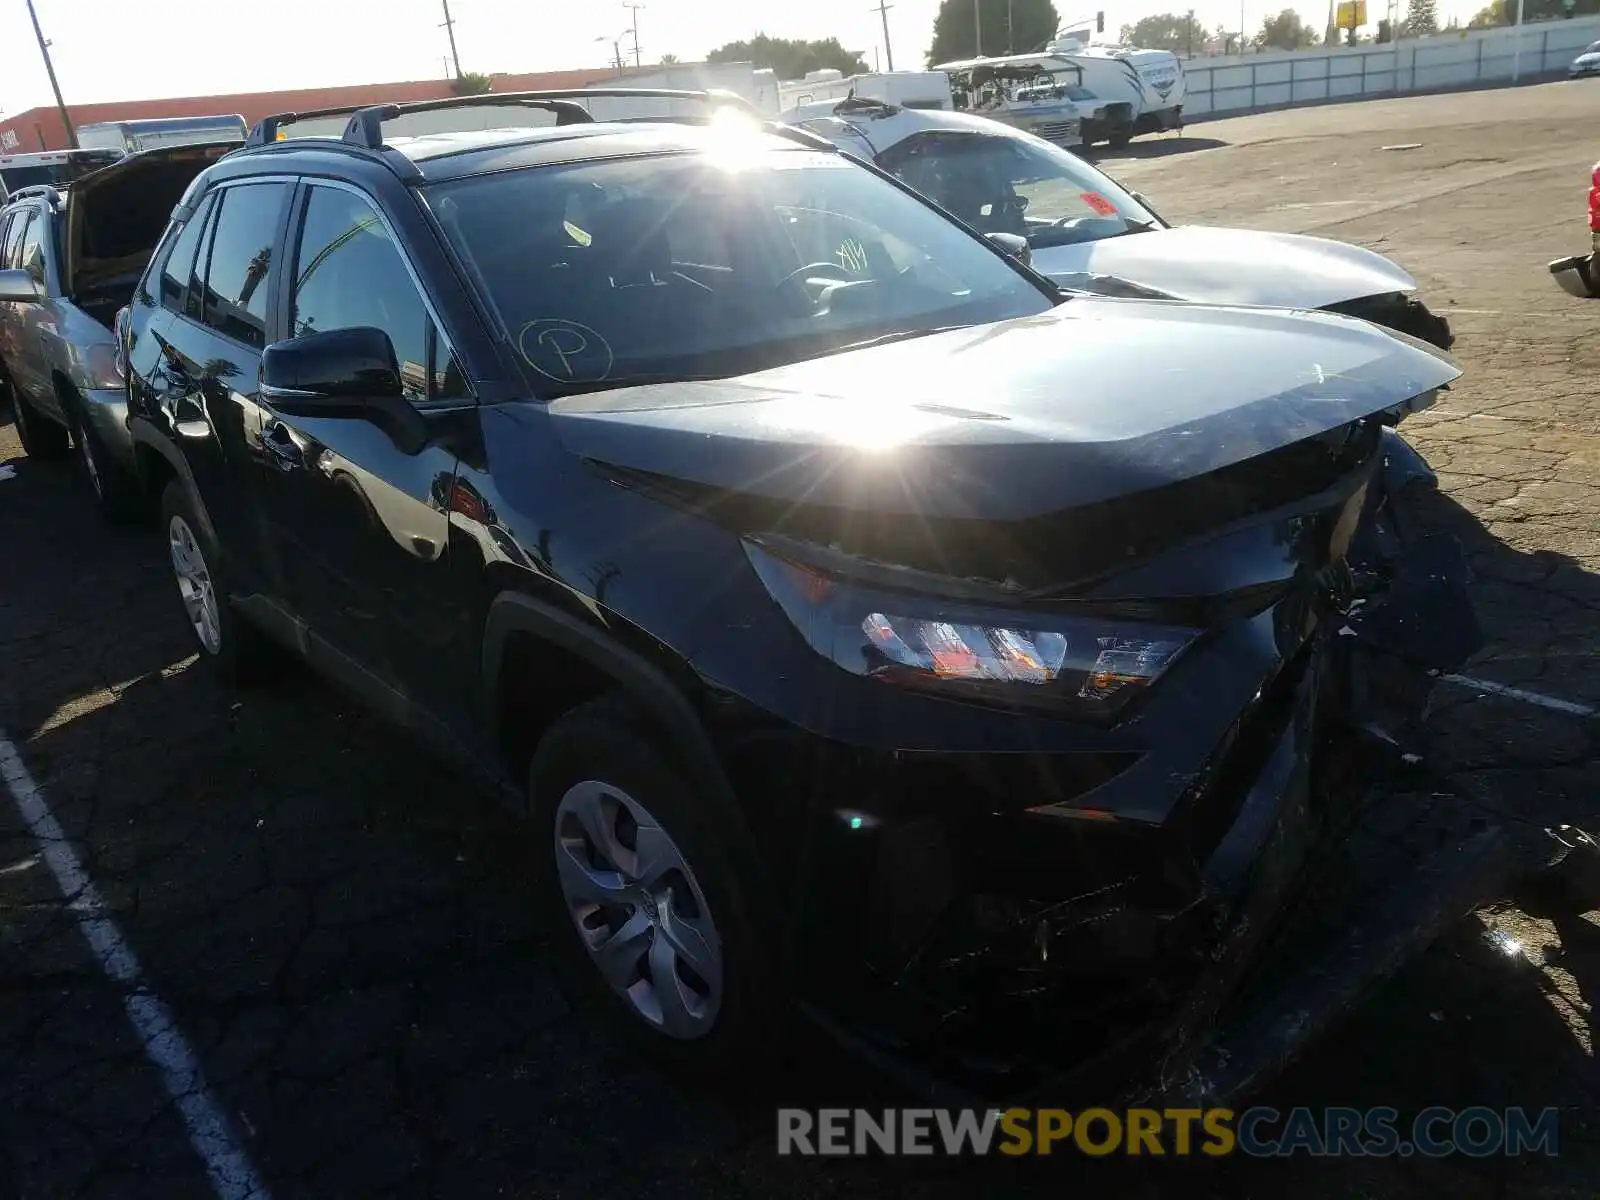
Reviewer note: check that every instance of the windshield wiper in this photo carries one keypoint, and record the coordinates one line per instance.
(902, 335)
(616, 383)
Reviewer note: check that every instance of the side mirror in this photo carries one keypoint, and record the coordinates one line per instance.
(18, 287)
(343, 373)
(1013, 246)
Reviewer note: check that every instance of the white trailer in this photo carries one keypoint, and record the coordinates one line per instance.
(1134, 91)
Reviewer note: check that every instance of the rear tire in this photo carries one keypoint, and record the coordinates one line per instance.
(234, 648)
(41, 437)
(661, 932)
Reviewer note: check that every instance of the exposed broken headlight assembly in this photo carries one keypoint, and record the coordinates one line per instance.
(969, 649)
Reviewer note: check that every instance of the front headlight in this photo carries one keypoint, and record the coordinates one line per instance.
(971, 649)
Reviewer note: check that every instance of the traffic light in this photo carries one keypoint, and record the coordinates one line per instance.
(1100, 21)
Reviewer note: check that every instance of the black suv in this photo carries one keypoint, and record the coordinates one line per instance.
(855, 615)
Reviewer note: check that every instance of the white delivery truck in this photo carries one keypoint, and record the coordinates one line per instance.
(904, 89)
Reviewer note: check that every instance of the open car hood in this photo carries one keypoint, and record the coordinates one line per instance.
(1230, 266)
(1095, 400)
(117, 214)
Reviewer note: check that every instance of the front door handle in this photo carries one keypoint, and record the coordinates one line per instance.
(281, 448)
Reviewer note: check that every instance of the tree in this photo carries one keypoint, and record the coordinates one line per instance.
(1021, 26)
(1385, 33)
(470, 83)
(1422, 16)
(1286, 31)
(669, 60)
(1181, 34)
(790, 58)
(1227, 38)
(1504, 12)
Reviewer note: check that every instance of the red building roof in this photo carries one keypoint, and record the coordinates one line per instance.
(41, 128)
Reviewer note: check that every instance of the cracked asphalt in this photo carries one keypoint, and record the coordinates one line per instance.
(342, 929)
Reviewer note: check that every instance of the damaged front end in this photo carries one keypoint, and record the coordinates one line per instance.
(1021, 931)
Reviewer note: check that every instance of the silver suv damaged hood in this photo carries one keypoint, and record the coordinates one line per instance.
(1230, 266)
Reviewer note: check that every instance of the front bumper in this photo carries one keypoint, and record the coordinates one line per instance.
(1579, 275)
(107, 411)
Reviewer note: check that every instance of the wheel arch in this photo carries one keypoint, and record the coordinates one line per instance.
(157, 462)
(514, 616)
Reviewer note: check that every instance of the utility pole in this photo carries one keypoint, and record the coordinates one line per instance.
(883, 14)
(450, 25)
(50, 70)
(977, 28)
(1516, 54)
(638, 58)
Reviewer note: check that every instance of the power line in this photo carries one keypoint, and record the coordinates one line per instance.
(883, 13)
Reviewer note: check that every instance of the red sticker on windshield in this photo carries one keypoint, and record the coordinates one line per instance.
(1099, 203)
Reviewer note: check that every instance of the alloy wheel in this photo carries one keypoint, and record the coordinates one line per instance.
(195, 585)
(638, 909)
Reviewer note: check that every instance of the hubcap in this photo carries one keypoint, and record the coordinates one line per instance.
(638, 909)
(194, 584)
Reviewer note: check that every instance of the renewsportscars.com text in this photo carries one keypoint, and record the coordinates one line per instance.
(1261, 1132)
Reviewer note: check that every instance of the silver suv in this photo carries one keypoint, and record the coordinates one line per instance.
(69, 260)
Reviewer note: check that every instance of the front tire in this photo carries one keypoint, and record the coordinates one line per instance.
(116, 491)
(235, 649)
(654, 895)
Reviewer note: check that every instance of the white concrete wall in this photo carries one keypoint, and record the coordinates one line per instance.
(1239, 84)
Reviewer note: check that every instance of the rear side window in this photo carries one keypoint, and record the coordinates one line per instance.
(13, 244)
(179, 264)
(30, 255)
(240, 271)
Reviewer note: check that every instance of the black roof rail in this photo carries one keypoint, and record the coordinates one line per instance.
(366, 124)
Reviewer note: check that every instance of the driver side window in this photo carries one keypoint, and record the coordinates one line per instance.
(349, 274)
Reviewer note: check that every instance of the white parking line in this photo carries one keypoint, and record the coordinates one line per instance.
(232, 1175)
(1527, 697)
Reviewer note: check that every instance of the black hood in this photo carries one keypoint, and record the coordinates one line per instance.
(1094, 401)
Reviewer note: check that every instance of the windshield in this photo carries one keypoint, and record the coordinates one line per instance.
(1022, 185)
(689, 265)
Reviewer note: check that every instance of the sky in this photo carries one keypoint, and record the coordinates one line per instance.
(116, 50)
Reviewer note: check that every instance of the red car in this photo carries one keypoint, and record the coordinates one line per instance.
(1580, 274)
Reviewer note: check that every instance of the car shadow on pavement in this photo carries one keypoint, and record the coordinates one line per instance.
(1155, 147)
(343, 930)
